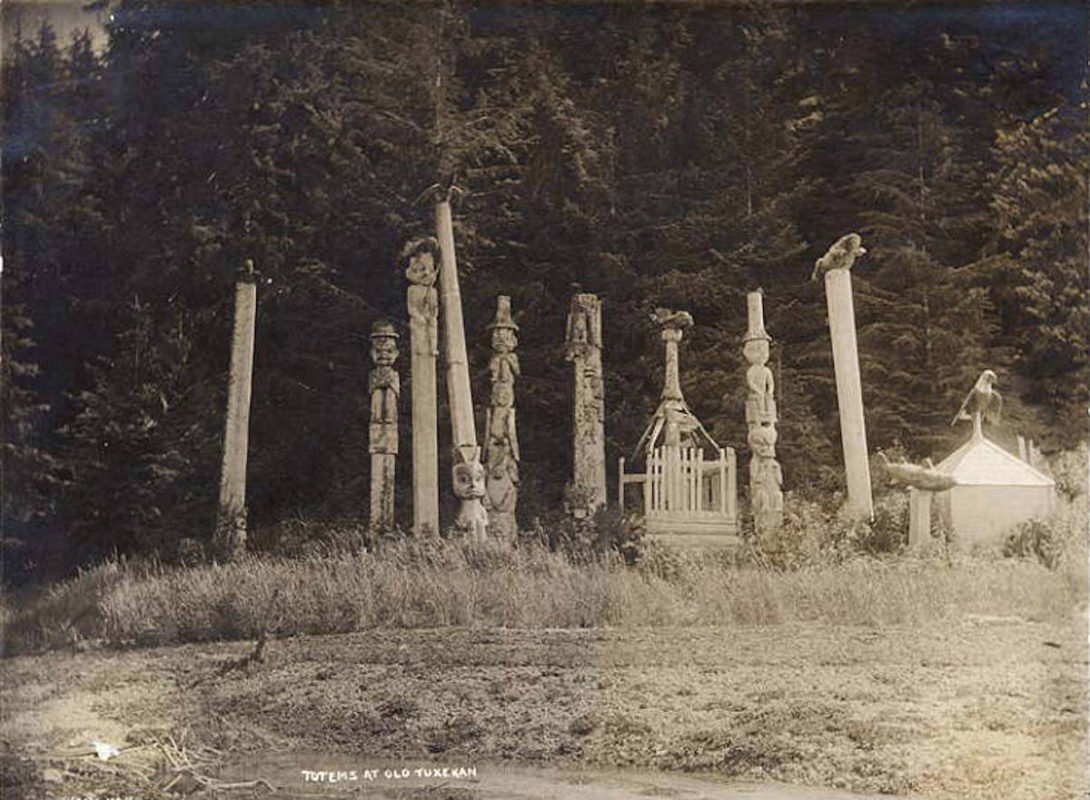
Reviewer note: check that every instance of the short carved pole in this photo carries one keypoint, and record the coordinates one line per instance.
(678, 425)
(836, 266)
(468, 473)
(583, 343)
(385, 389)
(423, 302)
(230, 535)
(765, 473)
(671, 385)
(501, 442)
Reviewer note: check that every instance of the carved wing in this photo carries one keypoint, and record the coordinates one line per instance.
(964, 405)
(994, 411)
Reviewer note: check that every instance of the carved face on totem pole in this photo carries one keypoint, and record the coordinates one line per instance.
(756, 351)
(469, 481)
(502, 478)
(762, 441)
(384, 350)
(422, 269)
(504, 340)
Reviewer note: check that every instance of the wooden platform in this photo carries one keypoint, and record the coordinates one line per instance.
(707, 541)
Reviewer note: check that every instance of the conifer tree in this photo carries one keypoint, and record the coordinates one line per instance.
(1039, 273)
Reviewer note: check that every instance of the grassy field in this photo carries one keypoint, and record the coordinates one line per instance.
(449, 583)
(969, 708)
(937, 674)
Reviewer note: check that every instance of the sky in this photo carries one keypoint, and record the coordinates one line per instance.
(65, 16)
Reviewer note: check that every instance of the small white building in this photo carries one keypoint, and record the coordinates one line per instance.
(996, 490)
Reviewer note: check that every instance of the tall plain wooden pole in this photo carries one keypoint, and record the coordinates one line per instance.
(230, 535)
(849, 392)
(458, 387)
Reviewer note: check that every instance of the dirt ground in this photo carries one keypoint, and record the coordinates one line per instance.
(976, 708)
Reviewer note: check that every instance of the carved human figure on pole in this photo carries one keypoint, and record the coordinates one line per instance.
(765, 481)
(500, 424)
(501, 485)
(765, 473)
(501, 434)
(760, 385)
(586, 492)
(384, 385)
(504, 364)
(423, 297)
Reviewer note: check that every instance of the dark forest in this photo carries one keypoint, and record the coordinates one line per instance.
(674, 155)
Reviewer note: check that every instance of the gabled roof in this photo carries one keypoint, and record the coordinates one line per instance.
(981, 462)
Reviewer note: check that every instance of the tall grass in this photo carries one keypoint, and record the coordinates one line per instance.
(447, 583)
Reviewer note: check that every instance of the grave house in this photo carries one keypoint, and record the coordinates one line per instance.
(689, 482)
(995, 491)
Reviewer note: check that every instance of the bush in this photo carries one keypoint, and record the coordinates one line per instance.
(1034, 539)
(301, 536)
(608, 531)
(1058, 541)
(814, 534)
(1069, 470)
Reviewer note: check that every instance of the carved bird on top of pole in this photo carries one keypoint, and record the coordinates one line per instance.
(841, 255)
(982, 401)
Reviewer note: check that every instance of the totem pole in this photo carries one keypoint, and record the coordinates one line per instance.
(765, 474)
(468, 473)
(501, 444)
(230, 535)
(385, 387)
(587, 491)
(423, 302)
(836, 266)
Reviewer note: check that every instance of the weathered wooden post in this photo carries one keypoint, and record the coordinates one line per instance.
(922, 483)
(468, 474)
(230, 535)
(765, 473)
(583, 342)
(1036, 460)
(919, 516)
(836, 266)
(501, 442)
(385, 388)
(423, 302)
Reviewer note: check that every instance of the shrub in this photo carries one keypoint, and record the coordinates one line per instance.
(607, 531)
(1069, 470)
(1037, 539)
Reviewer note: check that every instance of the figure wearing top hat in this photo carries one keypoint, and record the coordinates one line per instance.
(501, 438)
(504, 364)
(761, 396)
(384, 385)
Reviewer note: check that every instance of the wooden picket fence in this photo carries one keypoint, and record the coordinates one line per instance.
(684, 493)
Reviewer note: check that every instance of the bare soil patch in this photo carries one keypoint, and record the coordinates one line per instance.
(977, 708)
